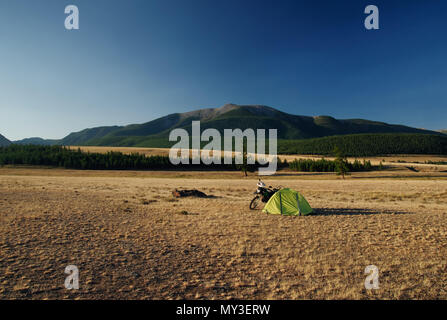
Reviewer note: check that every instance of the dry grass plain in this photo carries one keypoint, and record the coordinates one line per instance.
(132, 240)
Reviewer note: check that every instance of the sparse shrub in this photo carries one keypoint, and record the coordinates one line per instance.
(146, 202)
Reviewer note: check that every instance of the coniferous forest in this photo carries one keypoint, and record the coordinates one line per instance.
(364, 145)
(60, 156)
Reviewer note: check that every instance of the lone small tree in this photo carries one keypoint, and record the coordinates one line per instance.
(244, 166)
(341, 163)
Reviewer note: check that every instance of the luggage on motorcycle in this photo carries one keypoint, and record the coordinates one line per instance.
(288, 202)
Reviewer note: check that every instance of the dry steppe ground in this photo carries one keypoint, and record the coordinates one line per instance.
(132, 240)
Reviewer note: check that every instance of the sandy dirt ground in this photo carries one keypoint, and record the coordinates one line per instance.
(131, 239)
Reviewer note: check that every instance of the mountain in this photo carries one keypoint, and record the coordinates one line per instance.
(38, 141)
(443, 131)
(4, 141)
(81, 137)
(155, 133)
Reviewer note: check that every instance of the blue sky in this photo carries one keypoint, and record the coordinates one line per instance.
(136, 60)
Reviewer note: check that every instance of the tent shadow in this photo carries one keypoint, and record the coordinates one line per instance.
(352, 212)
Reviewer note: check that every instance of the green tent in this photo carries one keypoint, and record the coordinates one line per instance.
(288, 202)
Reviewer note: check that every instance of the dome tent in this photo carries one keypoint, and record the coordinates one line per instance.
(288, 202)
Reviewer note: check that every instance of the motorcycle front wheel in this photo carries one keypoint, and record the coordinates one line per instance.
(255, 203)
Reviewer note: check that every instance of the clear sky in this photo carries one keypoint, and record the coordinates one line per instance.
(136, 60)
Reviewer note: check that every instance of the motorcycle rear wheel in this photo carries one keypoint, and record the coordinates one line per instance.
(255, 203)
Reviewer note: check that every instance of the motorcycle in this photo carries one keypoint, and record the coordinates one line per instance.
(263, 195)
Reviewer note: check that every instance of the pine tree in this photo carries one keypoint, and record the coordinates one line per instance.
(341, 163)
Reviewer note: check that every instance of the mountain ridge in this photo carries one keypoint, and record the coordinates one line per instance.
(155, 133)
(4, 141)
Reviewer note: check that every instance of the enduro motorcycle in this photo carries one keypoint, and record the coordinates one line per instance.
(263, 195)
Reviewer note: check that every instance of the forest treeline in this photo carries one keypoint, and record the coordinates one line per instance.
(60, 156)
(323, 165)
(364, 145)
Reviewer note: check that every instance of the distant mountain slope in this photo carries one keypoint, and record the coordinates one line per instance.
(4, 141)
(81, 137)
(37, 141)
(155, 133)
(443, 131)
